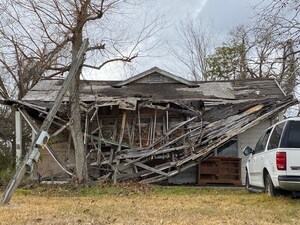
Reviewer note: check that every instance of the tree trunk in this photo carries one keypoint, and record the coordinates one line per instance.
(76, 128)
(76, 132)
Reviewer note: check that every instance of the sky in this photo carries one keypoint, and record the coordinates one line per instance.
(223, 14)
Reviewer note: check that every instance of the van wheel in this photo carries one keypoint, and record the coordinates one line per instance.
(296, 194)
(269, 187)
(247, 184)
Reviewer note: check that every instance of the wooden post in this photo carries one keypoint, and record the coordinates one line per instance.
(114, 133)
(149, 141)
(99, 145)
(164, 131)
(120, 143)
(167, 120)
(128, 128)
(167, 117)
(140, 131)
(154, 126)
(33, 135)
(69, 151)
(86, 130)
(132, 131)
(122, 129)
(18, 126)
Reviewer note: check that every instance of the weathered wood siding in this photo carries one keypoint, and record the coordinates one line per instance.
(47, 167)
(155, 78)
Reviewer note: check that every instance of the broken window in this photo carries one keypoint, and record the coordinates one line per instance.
(229, 149)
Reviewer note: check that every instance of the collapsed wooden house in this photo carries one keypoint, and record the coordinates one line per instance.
(155, 126)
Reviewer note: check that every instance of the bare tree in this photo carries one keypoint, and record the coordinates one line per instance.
(282, 16)
(255, 52)
(46, 35)
(279, 23)
(196, 42)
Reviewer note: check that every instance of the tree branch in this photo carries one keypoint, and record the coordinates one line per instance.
(96, 47)
(123, 59)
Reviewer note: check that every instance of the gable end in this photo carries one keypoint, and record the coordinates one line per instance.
(154, 76)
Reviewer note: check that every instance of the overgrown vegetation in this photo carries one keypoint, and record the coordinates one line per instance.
(143, 204)
(6, 166)
(5, 176)
(6, 143)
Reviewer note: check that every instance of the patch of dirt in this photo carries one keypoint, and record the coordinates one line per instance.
(71, 189)
(135, 187)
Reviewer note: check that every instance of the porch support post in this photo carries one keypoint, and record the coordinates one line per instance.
(18, 127)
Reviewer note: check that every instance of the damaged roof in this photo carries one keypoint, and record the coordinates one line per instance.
(157, 84)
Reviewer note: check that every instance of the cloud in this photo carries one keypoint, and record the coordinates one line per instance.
(178, 9)
(199, 9)
(227, 14)
(224, 14)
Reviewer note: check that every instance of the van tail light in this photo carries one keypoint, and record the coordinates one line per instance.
(281, 160)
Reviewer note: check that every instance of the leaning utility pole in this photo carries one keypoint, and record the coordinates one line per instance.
(42, 136)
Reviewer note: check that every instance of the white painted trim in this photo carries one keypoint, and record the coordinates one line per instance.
(280, 87)
(18, 127)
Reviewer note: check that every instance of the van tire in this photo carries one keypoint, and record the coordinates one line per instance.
(269, 187)
(247, 184)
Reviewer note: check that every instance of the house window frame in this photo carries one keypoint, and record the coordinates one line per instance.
(235, 140)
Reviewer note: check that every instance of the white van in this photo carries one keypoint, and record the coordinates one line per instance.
(274, 163)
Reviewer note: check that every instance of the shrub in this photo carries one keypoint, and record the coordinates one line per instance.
(5, 176)
(6, 169)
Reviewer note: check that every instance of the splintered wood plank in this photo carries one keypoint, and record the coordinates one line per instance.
(141, 153)
(140, 131)
(109, 142)
(163, 137)
(179, 125)
(119, 145)
(122, 130)
(150, 168)
(154, 125)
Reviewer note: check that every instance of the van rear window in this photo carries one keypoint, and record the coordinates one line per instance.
(292, 138)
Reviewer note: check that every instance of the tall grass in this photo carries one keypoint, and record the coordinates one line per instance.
(127, 204)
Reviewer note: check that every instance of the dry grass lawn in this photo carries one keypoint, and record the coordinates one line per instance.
(158, 205)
